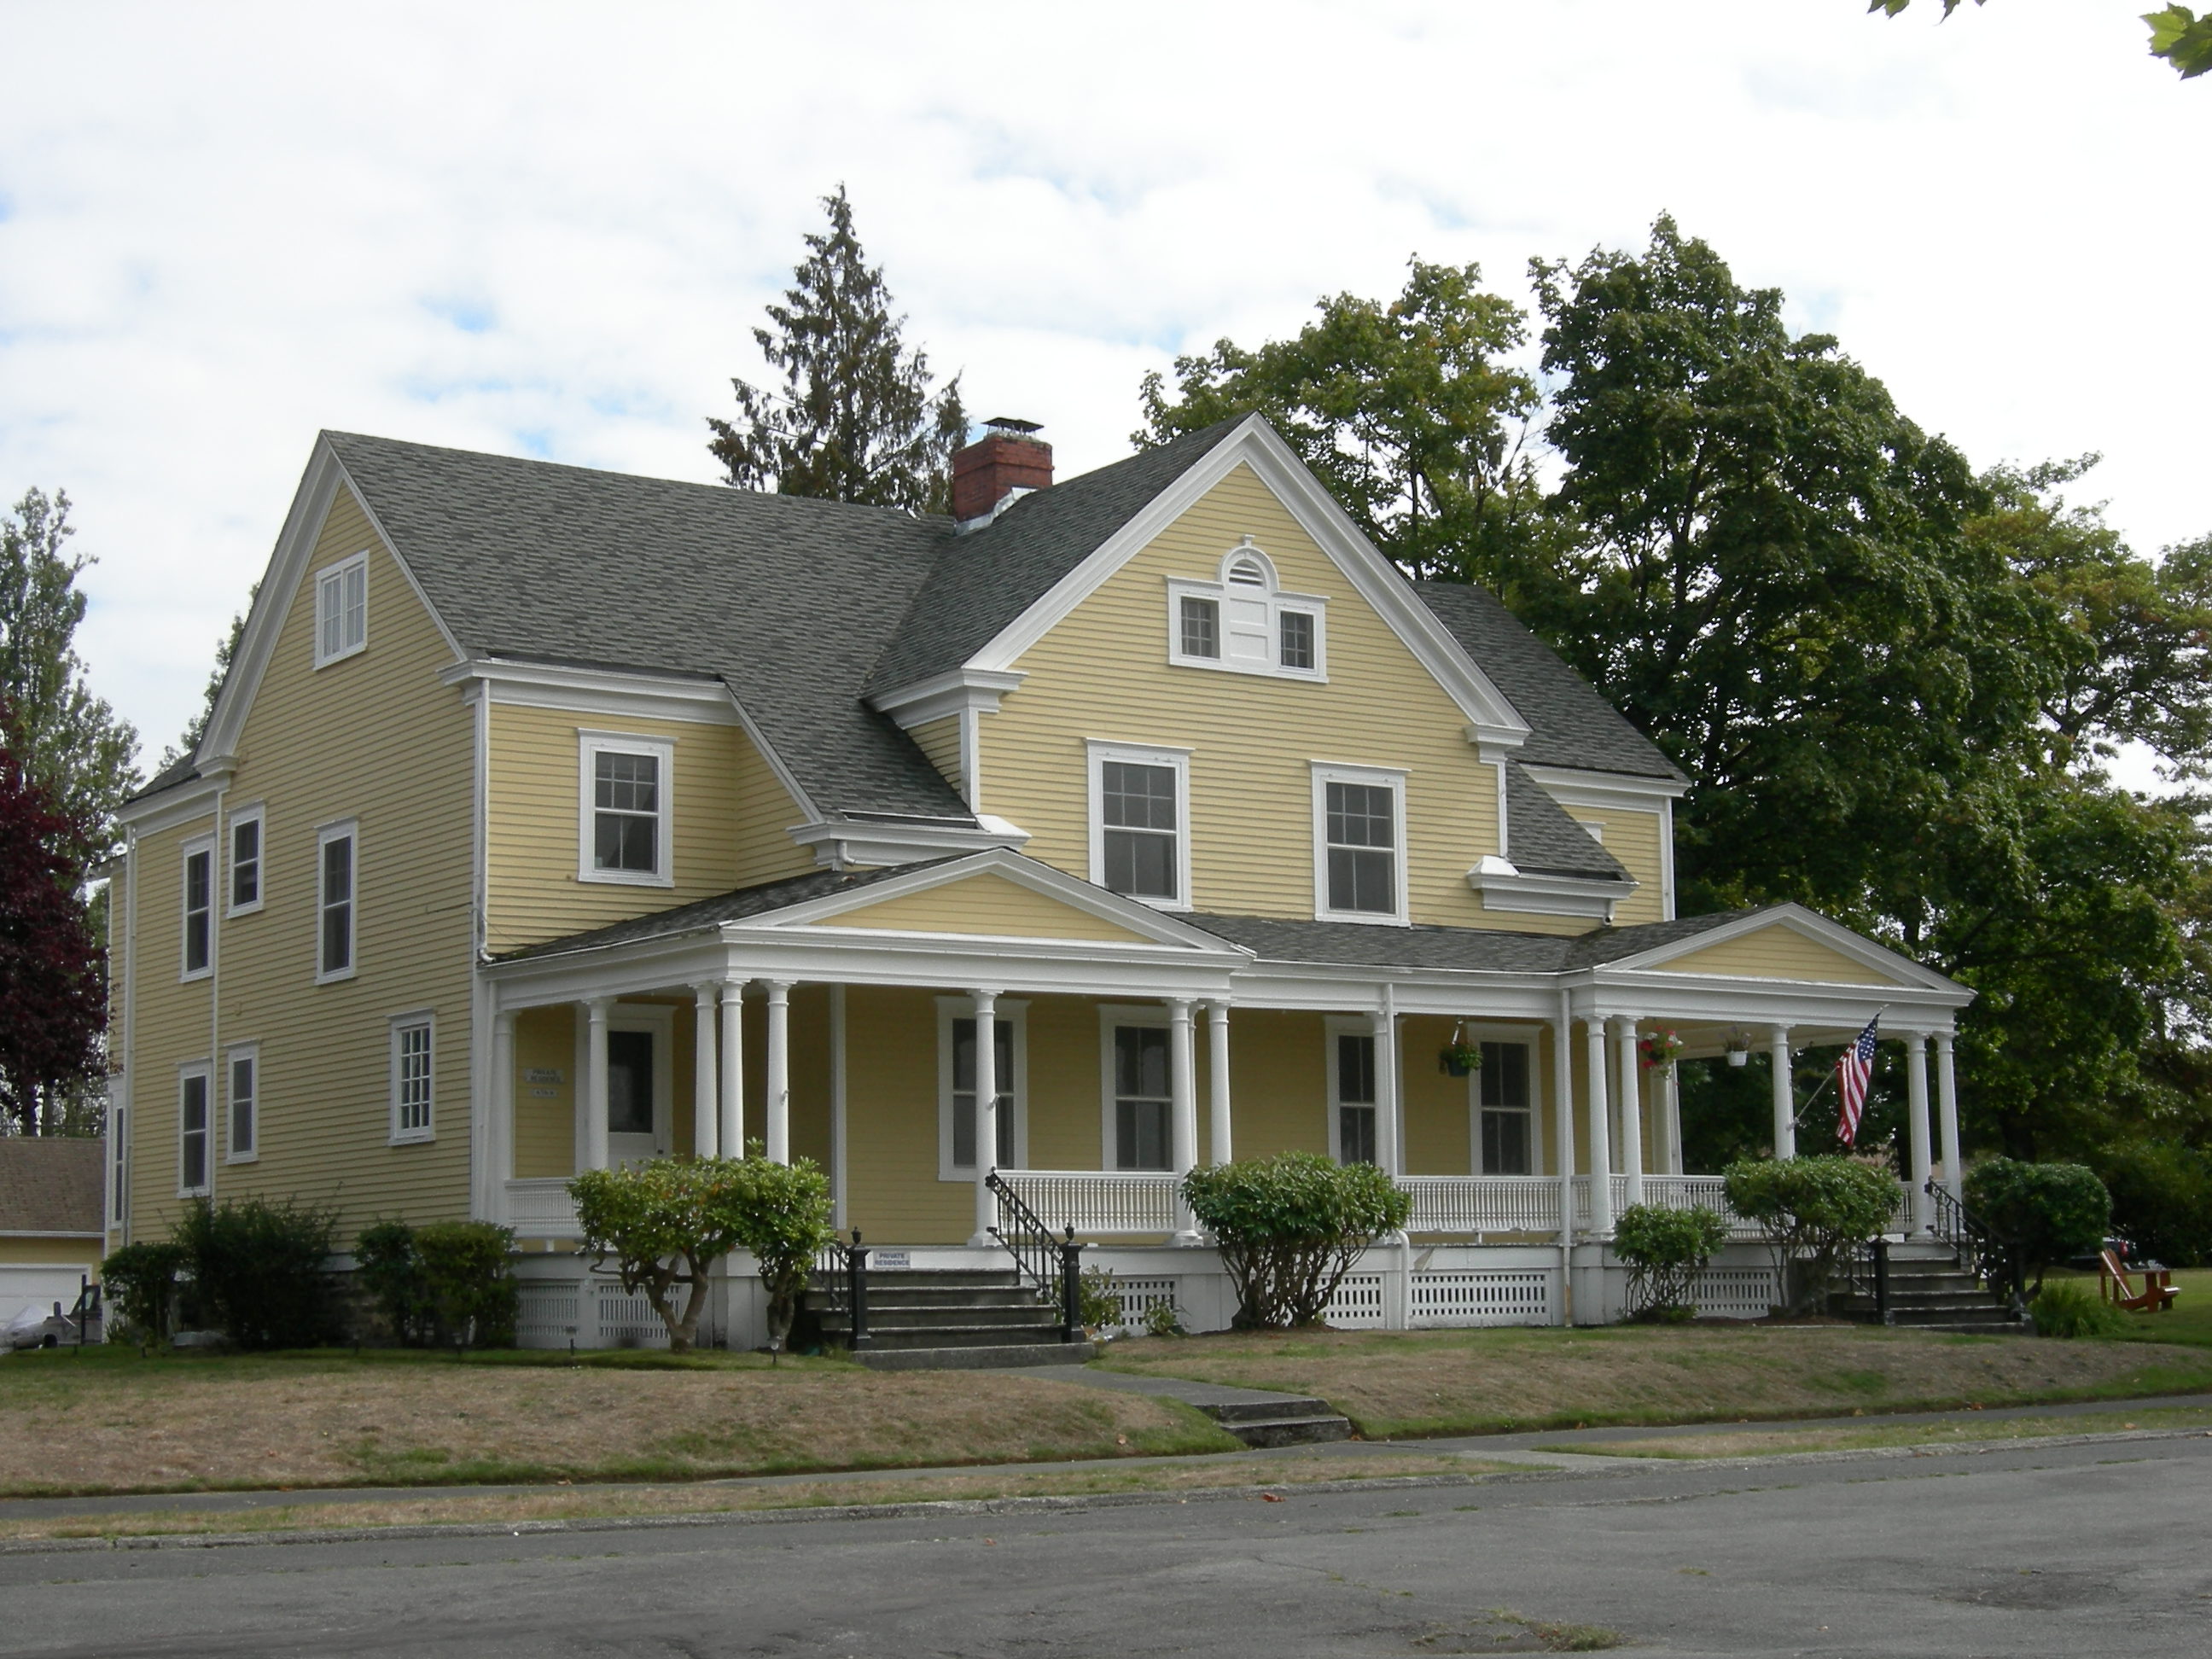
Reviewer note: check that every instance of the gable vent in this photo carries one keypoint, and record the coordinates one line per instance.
(1245, 571)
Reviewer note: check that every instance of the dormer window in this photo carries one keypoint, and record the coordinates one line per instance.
(1243, 621)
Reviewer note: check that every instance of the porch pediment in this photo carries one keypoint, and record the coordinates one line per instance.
(1788, 943)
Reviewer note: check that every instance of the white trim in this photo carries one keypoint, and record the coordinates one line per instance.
(1111, 1015)
(956, 691)
(335, 579)
(257, 815)
(1013, 1013)
(179, 804)
(1098, 752)
(1507, 888)
(658, 1019)
(589, 746)
(205, 1072)
(419, 1019)
(343, 830)
(606, 692)
(844, 843)
(1571, 786)
(1334, 1026)
(1254, 443)
(1221, 593)
(198, 847)
(1373, 777)
(233, 1053)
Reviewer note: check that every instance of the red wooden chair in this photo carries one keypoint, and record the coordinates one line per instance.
(2114, 1285)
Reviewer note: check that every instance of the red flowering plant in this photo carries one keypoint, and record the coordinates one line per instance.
(1659, 1048)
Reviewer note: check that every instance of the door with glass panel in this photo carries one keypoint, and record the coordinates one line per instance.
(1508, 1127)
(1143, 1099)
(637, 1095)
(1352, 1084)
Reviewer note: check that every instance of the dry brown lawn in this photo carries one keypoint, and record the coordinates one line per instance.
(117, 1424)
(1393, 1385)
(1288, 1470)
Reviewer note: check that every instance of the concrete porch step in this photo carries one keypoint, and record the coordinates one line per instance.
(1284, 1422)
(936, 1279)
(884, 1296)
(977, 1358)
(893, 1336)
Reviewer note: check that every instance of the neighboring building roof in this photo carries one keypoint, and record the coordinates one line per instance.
(52, 1184)
(1569, 724)
(1541, 835)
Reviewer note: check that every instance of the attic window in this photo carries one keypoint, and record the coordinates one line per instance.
(341, 610)
(1243, 621)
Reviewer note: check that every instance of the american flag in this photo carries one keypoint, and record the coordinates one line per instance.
(1853, 1071)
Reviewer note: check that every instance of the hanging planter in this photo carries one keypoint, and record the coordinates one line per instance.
(1659, 1048)
(1739, 1048)
(1459, 1057)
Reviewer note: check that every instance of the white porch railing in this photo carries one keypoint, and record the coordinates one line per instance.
(542, 1209)
(1098, 1203)
(1482, 1204)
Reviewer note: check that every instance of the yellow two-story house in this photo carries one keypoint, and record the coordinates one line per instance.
(550, 819)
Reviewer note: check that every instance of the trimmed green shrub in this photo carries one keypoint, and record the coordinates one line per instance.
(2065, 1308)
(260, 1269)
(1811, 1211)
(1290, 1228)
(1666, 1250)
(385, 1263)
(139, 1282)
(450, 1284)
(1096, 1304)
(2043, 1212)
(667, 1221)
(2161, 1200)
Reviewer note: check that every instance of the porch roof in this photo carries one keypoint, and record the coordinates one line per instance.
(1468, 950)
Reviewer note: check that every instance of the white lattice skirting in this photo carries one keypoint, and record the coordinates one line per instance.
(1736, 1293)
(1139, 1297)
(596, 1314)
(1482, 1296)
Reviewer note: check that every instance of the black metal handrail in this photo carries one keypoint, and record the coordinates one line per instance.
(1866, 1274)
(840, 1273)
(1053, 1266)
(1976, 1247)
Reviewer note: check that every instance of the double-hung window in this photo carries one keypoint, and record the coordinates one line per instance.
(192, 1131)
(1143, 1085)
(341, 610)
(338, 885)
(199, 909)
(1509, 1142)
(956, 1081)
(413, 1043)
(242, 1142)
(623, 833)
(1140, 819)
(1359, 844)
(246, 838)
(1353, 1102)
(1243, 621)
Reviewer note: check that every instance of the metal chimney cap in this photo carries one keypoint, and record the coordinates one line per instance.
(1010, 424)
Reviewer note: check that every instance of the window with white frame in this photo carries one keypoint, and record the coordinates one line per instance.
(414, 1043)
(193, 1132)
(199, 908)
(341, 610)
(1243, 621)
(624, 829)
(1139, 817)
(1352, 1104)
(1141, 1064)
(242, 1077)
(338, 886)
(119, 1151)
(1359, 843)
(957, 1055)
(1507, 1130)
(246, 828)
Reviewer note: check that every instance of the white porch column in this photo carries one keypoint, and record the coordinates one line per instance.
(501, 1151)
(1916, 1123)
(987, 1113)
(1946, 1105)
(1785, 1097)
(1216, 1082)
(595, 1082)
(1389, 1089)
(706, 1123)
(1182, 1108)
(730, 1106)
(1631, 1110)
(1600, 1130)
(1563, 1116)
(1674, 1118)
(779, 1070)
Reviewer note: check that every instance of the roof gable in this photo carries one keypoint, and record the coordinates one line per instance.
(1785, 942)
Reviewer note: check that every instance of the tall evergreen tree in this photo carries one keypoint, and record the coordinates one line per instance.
(855, 419)
(64, 736)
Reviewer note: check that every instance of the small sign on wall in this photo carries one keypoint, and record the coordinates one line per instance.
(538, 1074)
(890, 1261)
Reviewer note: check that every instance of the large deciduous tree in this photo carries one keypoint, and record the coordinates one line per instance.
(2177, 33)
(51, 1005)
(1410, 411)
(855, 419)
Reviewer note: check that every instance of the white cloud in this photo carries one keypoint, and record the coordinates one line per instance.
(550, 228)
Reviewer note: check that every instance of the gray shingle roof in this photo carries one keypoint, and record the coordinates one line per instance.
(1571, 724)
(1472, 950)
(51, 1184)
(1541, 836)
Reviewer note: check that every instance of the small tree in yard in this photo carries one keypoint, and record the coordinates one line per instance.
(1811, 1210)
(2041, 1212)
(1666, 1250)
(258, 1269)
(664, 1223)
(1290, 1228)
(449, 1284)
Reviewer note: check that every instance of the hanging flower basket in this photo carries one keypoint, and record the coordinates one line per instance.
(1659, 1049)
(1739, 1048)
(1459, 1057)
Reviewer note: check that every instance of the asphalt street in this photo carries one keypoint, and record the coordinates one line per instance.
(2080, 1550)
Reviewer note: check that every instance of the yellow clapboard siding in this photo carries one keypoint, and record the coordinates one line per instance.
(375, 738)
(891, 1189)
(1635, 839)
(731, 825)
(986, 904)
(1102, 673)
(1775, 952)
(941, 741)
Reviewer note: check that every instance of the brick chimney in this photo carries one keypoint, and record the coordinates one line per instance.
(1005, 460)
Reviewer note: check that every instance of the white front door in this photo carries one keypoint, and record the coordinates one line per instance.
(638, 1091)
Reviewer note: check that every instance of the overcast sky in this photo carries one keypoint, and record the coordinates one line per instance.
(547, 229)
